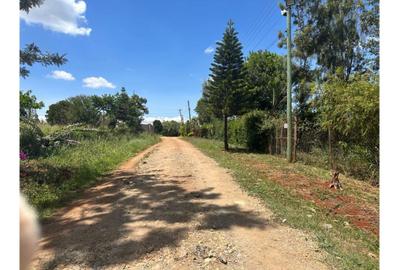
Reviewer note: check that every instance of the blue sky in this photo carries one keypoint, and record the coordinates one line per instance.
(158, 49)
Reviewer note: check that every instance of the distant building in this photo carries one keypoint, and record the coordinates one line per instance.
(147, 128)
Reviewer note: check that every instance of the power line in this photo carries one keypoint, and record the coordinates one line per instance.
(262, 25)
(259, 22)
(272, 43)
(256, 22)
(260, 30)
(267, 32)
(257, 32)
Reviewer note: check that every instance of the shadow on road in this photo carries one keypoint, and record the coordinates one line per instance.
(130, 215)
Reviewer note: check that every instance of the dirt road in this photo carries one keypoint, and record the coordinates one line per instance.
(171, 208)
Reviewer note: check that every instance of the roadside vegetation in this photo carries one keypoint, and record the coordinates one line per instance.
(74, 164)
(241, 123)
(335, 90)
(83, 138)
(344, 223)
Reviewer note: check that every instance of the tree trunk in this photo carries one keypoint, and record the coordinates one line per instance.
(270, 144)
(226, 145)
(330, 149)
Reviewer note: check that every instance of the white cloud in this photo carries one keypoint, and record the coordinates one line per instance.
(42, 117)
(150, 119)
(97, 82)
(61, 75)
(63, 16)
(209, 50)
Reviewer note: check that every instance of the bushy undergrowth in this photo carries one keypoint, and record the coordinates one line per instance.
(352, 162)
(48, 129)
(31, 138)
(170, 128)
(256, 131)
(49, 181)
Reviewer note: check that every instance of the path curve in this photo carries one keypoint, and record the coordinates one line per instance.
(171, 207)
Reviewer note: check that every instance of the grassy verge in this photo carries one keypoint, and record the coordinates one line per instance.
(50, 182)
(348, 247)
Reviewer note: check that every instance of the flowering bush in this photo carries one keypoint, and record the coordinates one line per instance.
(23, 155)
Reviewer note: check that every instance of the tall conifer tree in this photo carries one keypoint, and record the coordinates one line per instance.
(224, 89)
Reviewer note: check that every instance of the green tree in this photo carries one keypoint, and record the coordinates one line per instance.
(28, 104)
(158, 127)
(26, 5)
(203, 109)
(331, 33)
(31, 53)
(83, 110)
(370, 32)
(130, 110)
(94, 110)
(225, 87)
(265, 81)
(60, 113)
(350, 109)
(122, 105)
(170, 128)
(105, 105)
(78, 109)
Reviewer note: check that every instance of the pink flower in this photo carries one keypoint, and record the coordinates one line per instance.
(23, 155)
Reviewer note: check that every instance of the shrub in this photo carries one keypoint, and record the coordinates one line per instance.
(255, 135)
(42, 172)
(121, 128)
(217, 129)
(170, 128)
(158, 127)
(182, 130)
(237, 132)
(48, 181)
(30, 137)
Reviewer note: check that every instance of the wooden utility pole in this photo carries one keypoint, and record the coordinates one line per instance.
(190, 117)
(277, 149)
(289, 82)
(180, 113)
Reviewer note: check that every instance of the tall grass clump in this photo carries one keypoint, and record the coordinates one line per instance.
(51, 180)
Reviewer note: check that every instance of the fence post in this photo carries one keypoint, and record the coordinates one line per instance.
(295, 139)
(277, 150)
(282, 129)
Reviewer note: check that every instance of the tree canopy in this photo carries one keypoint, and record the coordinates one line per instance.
(31, 53)
(336, 34)
(158, 126)
(224, 88)
(28, 104)
(26, 5)
(265, 81)
(100, 110)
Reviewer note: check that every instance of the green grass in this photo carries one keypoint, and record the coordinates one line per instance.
(48, 129)
(54, 180)
(347, 247)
